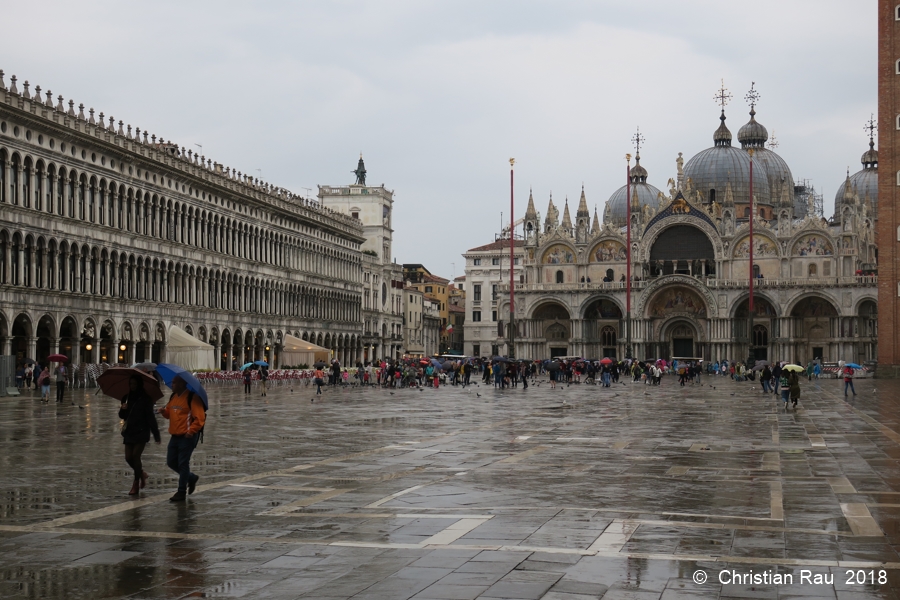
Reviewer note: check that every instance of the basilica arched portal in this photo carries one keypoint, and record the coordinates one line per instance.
(550, 328)
(676, 316)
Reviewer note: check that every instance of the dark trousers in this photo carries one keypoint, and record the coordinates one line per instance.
(60, 390)
(133, 458)
(247, 387)
(178, 458)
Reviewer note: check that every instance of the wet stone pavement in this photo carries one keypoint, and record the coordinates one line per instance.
(628, 492)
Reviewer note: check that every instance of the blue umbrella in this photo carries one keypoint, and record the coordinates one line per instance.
(261, 363)
(247, 365)
(852, 365)
(436, 363)
(168, 373)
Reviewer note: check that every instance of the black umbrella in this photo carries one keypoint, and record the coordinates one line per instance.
(554, 366)
(320, 365)
(29, 361)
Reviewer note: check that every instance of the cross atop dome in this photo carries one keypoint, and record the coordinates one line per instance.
(752, 96)
(637, 140)
(871, 127)
(723, 96)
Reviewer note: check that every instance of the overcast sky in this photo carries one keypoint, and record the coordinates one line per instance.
(439, 95)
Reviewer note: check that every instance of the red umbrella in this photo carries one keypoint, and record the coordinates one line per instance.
(58, 358)
(606, 361)
(115, 382)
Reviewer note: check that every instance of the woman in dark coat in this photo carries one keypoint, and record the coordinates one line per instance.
(140, 422)
(794, 383)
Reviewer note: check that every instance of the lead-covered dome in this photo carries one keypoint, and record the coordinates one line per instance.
(616, 212)
(781, 182)
(710, 171)
(864, 183)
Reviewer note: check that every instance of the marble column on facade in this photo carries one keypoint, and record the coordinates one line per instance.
(237, 355)
(20, 263)
(32, 276)
(148, 352)
(95, 352)
(31, 347)
(217, 349)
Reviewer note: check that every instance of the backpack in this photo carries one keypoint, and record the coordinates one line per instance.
(191, 397)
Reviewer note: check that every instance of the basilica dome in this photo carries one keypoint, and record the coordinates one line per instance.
(754, 135)
(616, 212)
(864, 182)
(710, 171)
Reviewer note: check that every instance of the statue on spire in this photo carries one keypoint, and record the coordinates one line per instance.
(360, 171)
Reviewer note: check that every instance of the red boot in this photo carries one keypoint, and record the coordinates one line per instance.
(135, 488)
(144, 477)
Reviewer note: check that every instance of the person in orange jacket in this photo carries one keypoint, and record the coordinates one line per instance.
(186, 417)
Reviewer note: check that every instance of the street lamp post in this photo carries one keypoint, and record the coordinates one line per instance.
(512, 247)
(628, 257)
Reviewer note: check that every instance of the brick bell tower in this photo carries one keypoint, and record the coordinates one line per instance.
(887, 232)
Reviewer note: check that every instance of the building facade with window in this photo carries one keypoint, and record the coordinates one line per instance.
(109, 236)
(413, 321)
(815, 288)
(487, 271)
(382, 279)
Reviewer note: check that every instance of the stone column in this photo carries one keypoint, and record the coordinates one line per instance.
(95, 352)
(20, 263)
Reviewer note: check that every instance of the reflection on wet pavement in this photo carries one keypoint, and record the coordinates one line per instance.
(630, 493)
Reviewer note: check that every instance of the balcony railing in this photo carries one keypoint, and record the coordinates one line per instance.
(712, 282)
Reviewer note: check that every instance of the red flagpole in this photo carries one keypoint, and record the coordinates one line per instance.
(512, 245)
(628, 257)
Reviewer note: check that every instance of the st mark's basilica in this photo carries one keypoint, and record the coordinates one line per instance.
(815, 283)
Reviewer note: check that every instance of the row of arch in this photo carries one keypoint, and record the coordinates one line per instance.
(610, 307)
(64, 191)
(93, 340)
(608, 250)
(60, 265)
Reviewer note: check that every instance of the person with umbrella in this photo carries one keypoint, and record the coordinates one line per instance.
(848, 377)
(140, 422)
(186, 419)
(248, 377)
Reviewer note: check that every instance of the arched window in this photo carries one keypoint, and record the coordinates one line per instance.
(760, 335)
(756, 271)
(712, 196)
(747, 212)
(608, 335)
(897, 13)
(813, 271)
(559, 277)
(897, 122)
(898, 67)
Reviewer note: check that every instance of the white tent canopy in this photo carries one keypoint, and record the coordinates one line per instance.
(186, 351)
(295, 352)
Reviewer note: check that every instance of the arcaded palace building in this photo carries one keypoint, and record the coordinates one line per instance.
(109, 236)
(815, 288)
